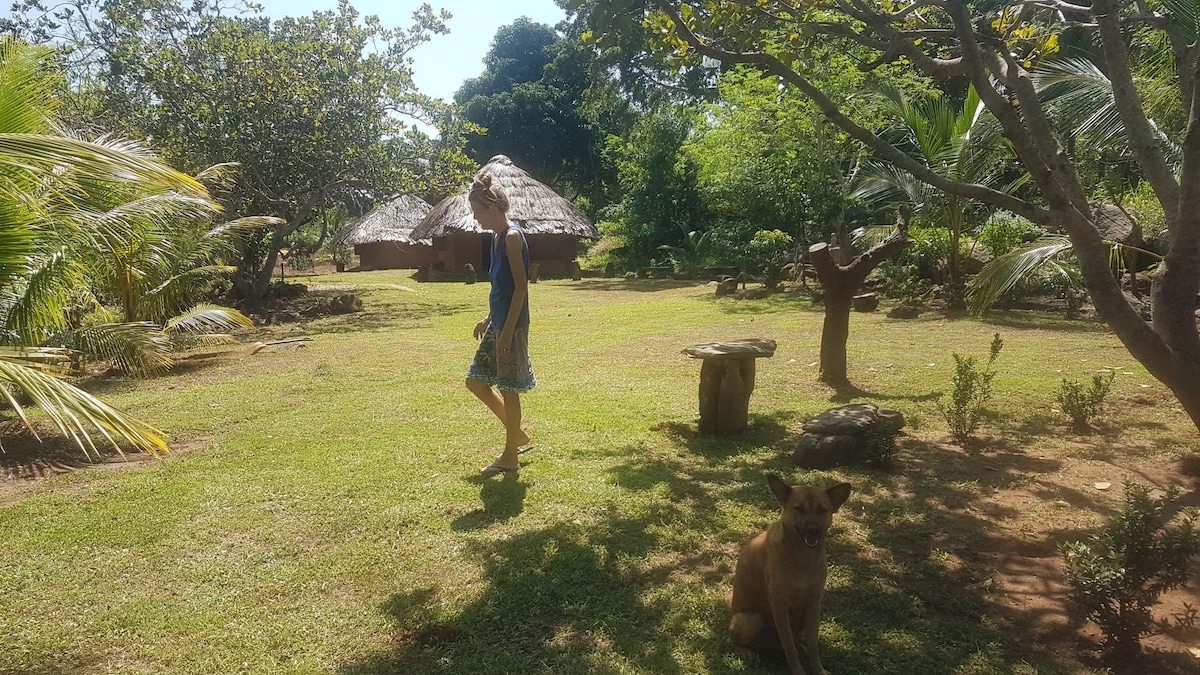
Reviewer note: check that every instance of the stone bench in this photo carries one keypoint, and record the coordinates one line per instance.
(726, 381)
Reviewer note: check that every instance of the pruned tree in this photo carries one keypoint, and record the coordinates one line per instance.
(840, 282)
(994, 46)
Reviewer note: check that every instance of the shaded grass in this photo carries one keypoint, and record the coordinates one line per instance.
(332, 519)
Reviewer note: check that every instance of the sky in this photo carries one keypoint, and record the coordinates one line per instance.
(440, 65)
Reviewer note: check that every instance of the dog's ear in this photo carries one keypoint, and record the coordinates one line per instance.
(838, 494)
(783, 491)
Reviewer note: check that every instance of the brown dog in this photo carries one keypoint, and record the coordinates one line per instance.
(780, 575)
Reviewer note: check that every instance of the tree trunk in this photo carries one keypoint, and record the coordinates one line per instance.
(840, 283)
(835, 333)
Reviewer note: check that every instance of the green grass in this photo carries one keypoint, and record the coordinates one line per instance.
(328, 516)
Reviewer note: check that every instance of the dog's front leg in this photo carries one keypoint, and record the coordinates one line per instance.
(783, 624)
(812, 627)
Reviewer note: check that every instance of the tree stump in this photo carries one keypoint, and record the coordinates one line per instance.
(726, 381)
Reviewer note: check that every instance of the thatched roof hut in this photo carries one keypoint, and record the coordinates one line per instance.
(393, 220)
(383, 239)
(554, 225)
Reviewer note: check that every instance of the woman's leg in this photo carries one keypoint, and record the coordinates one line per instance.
(514, 436)
(497, 404)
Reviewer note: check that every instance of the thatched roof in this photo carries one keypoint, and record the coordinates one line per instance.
(533, 206)
(392, 220)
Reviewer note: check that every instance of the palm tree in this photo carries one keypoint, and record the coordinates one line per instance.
(954, 143)
(44, 174)
(1081, 97)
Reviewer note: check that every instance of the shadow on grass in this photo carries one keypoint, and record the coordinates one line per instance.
(375, 316)
(637, 285)
(764, 430)
(503, 499)
(1026, 319)
(848, 392)
(774, 303)
(635, 585)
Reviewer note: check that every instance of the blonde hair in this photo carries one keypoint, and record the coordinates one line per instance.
(484, 193)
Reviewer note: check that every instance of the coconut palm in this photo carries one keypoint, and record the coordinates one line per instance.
(43, 175)
(1081, 97)
(955, 143)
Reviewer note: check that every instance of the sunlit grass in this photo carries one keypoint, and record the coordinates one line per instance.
(328, 517)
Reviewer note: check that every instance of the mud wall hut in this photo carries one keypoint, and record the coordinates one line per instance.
(382, 237)
(553, 225)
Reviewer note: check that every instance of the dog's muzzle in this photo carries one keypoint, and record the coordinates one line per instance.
(811, 536)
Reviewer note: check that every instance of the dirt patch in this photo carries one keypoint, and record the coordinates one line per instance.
(25, 460)
(1027, 571)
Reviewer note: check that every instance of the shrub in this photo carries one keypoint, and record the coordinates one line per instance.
(765, 253)
(1005, 231)
(972, 390)
(1080, 403)
(1119, 573)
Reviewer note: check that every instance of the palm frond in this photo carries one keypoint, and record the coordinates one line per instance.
(165, 299)
(38, 304)
(868, 236)
(136, 348)
(42, 154)
(1187, 16)
(26, 87)
(208, 319)
(1000, 275)
(76, 413)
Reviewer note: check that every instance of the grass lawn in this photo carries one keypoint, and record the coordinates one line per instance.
(323, 511)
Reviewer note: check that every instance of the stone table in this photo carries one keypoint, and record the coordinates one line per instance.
(726, 380)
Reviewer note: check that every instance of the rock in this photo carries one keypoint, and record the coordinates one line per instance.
(727, 286)
(891, 420)
(904, 312)
(816, 451)
(854, 419)
(345, 304)
(846, 435)
(867, 302)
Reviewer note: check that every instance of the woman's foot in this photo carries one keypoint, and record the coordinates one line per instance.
(498, 467)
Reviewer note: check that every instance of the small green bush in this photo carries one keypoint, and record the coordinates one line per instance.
(1005, 231)
(1119, 573)
(1081, 403)
(972, 390)
(765, 253)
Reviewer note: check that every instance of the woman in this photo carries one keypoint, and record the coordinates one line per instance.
(502, 360)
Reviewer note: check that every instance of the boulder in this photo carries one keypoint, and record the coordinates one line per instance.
(867, 302)
(848, 434)
(825, 452)
(345, 304)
